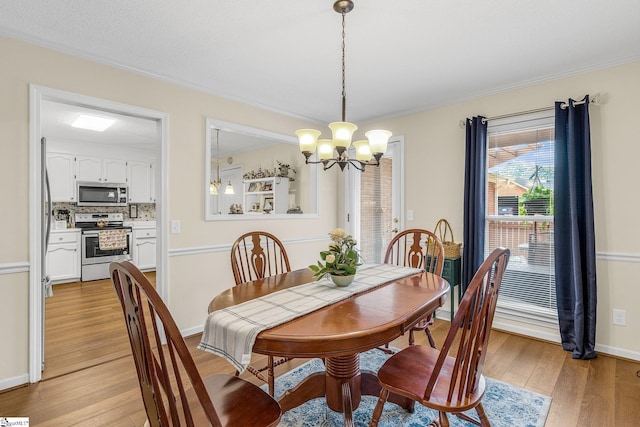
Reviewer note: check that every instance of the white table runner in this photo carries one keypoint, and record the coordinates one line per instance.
(232, 331)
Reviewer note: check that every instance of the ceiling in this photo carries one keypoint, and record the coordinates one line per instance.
(401, 56)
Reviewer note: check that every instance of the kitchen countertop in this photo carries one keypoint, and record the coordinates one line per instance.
(140, 224)
(64, 230)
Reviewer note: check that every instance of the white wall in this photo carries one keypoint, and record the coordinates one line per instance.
(198, 259)
(434, 157)
(198, 263)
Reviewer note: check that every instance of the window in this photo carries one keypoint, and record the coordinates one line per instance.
(520, 172)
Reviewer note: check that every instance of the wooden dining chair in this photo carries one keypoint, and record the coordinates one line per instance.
(417, 248)
(450, 380)
(256, 255)
(173, 392)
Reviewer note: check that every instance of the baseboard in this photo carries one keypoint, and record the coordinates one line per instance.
(555, 338)
(618, 352)
(196, 330)
(8, 383)
(521, 330)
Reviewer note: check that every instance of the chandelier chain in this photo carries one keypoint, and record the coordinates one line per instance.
(344, 91)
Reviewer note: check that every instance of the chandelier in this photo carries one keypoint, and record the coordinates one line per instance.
(216, 183)
(334, 151)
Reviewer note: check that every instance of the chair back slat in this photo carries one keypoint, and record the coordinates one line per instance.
(256, 255)
(416, 248)
(161, 368)
(470, 330)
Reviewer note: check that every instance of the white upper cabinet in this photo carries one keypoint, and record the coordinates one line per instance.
(114, 170)
(60, 167)
(141, 182)
(101, 170)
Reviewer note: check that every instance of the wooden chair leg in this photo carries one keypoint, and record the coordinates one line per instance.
(432, 343)
(377, 412)
(271, 376)
(411, 337)
(484, 421)
(443, 419)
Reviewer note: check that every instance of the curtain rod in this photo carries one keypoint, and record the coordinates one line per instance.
(594, 100)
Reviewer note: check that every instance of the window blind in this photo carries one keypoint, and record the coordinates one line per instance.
(520, 172)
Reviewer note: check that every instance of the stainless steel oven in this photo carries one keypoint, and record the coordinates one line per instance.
(96, 257)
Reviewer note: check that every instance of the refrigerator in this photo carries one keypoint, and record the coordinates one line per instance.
(45, 232)
(47, 218)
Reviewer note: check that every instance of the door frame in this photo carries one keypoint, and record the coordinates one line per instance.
(352, 190)
(36, 95)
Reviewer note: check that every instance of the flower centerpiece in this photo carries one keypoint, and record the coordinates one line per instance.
(340, 261)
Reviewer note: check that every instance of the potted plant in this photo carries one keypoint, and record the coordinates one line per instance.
(283, 170)
(537, 201)
(340, 261)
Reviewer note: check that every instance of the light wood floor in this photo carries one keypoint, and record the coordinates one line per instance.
(600, 392)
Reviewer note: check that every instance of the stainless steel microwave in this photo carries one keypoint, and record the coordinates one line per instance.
(101, 194)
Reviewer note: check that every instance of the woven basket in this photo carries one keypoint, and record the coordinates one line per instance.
(445, 232)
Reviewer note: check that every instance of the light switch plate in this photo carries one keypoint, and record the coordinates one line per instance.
(175, 226)
(619, 317)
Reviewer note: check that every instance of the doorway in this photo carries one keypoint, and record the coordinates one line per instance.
(376, 203)
(40, 99)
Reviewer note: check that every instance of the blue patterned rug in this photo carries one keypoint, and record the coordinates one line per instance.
(505, 405)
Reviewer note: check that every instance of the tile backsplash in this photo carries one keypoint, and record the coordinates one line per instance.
(146, 211)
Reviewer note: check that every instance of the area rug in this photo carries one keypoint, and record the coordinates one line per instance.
(505, 405)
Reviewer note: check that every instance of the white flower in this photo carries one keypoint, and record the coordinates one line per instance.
(331, 258)
(337, 234)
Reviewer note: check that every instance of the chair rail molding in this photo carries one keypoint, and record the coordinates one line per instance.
(14, 267)
(618, 256)
(227, 246)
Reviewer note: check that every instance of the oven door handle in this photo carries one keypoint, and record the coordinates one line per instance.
(95, 232)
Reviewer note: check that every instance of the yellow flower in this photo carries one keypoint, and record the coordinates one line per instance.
(337, 234)
(330, 258)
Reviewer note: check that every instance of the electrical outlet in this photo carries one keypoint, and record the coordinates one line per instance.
(619, 317)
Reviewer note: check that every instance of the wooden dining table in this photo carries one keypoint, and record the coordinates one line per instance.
(339, 332)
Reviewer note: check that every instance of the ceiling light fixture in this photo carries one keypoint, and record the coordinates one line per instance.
(99, 124)
(216, 183)
(368, 152)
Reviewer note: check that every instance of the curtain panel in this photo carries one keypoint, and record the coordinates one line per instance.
(475, 184)
(575, 254)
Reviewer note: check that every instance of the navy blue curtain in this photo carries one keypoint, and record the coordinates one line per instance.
(475, 180)
(574, 239)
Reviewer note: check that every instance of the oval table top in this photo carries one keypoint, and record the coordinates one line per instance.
(356, 324)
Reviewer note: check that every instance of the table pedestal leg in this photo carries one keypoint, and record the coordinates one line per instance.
(343, 370)
(342, 384)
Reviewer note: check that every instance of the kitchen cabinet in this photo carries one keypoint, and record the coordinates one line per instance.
(261, 192)
(63, 256)
(101, 170)
(144, 248)
(141, 182)
(61, 169)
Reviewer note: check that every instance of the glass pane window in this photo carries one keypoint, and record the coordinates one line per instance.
(520, 179)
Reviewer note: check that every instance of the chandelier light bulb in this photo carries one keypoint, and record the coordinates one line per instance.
(342, 133)
(363, 152)
(378, 140)
(325, 149)
(229, 189)
(308, 139)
